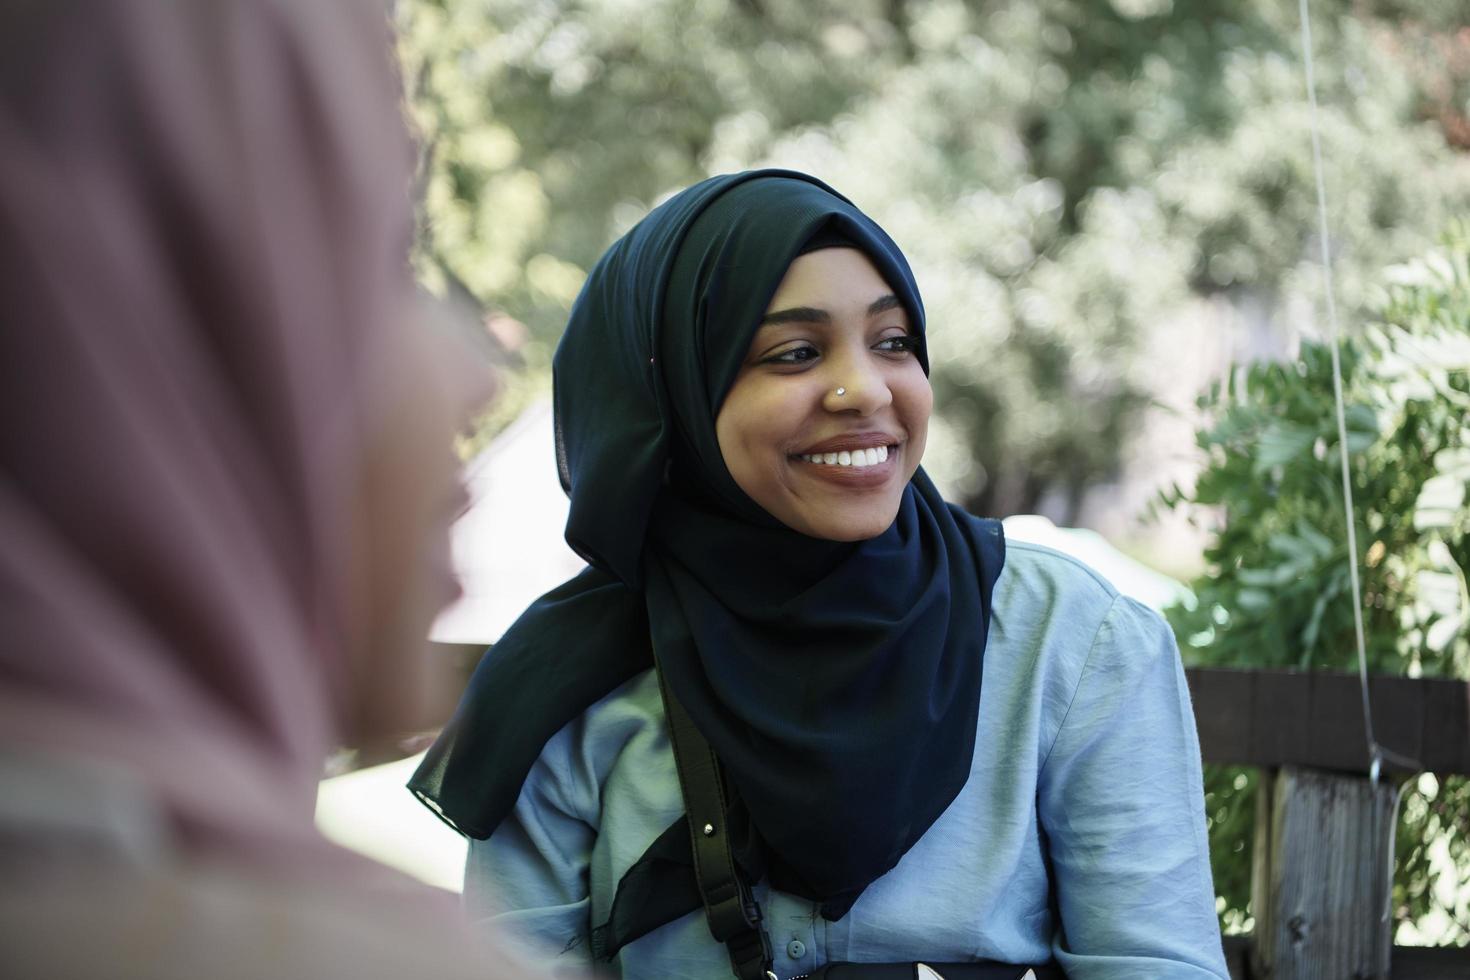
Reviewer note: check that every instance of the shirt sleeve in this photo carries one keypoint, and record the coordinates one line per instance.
(1121, 802)
(529, 880)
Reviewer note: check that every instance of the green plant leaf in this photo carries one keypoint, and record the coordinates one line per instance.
(1314, 540)
(1442, 632)
(1282, 443)
(1453, 463)
(1438, 503)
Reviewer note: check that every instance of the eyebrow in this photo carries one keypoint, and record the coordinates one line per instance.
(811, 314)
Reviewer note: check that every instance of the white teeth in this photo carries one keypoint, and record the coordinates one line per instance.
(858, 458)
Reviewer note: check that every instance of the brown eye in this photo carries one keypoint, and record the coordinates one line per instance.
(794, 355)
(906, 344)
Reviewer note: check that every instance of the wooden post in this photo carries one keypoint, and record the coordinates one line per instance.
(1320, 880)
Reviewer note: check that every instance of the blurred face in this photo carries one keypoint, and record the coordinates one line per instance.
(829, 465)
(409, 494)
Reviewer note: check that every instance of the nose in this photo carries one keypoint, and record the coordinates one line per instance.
(862, 383)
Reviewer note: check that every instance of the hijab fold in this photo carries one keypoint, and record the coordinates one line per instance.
(839, 683)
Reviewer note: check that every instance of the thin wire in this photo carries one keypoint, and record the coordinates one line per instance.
(1393, 839)
(1376, 752)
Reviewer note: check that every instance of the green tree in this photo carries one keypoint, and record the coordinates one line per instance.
(1063, 172)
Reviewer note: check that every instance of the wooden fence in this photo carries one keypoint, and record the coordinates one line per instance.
(1320, 874)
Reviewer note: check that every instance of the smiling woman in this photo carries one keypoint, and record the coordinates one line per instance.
(928, 744)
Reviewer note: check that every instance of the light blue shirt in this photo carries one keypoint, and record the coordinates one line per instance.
(1080, 834)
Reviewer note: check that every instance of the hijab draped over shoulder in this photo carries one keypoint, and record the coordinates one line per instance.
(838, 682)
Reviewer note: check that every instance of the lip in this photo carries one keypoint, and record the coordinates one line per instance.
(849, 442)
(854, 477)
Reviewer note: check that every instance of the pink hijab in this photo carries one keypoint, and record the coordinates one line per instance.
(204, 214)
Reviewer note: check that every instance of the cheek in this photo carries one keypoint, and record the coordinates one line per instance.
(914, 401)
(732, 432)
(753, 427)
(734, 428)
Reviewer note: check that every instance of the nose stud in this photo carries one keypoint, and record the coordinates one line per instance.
(840, 392)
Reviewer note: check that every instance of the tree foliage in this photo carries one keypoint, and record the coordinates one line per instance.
(1064, 173)
(1277, 591)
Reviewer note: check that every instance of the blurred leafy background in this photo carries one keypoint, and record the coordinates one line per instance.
(1110, 207)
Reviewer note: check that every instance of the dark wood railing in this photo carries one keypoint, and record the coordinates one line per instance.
(1319, 873)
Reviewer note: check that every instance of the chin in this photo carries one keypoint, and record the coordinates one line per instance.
(855, 528)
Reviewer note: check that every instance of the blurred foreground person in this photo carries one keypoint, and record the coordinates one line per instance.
(226, 482)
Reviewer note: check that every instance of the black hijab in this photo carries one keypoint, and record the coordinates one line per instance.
(839, 683)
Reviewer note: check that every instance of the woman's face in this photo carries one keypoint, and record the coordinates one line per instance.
(829, 465)
(407, 497)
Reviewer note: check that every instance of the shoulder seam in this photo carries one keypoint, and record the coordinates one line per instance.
(1108, 588)
(1091, 649)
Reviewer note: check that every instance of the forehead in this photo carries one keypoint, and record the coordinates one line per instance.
(829, 278)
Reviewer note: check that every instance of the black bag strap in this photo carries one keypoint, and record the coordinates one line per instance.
(733, 913)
